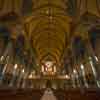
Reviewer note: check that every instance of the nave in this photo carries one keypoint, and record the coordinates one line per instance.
(49, 49)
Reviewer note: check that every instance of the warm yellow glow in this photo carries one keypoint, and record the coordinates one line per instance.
(74, 71)
(2, 57)
(82, 66)
(42, 68)
(55, 70)
(23, 70)
(67, 77)
(15, 67)
(30, 76)
(96, 58)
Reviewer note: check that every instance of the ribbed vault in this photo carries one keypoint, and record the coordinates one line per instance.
(50, 32)
(51, 25)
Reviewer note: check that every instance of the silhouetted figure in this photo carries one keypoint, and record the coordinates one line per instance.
(48, 84)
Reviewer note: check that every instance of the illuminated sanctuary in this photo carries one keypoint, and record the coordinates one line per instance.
(49, 47)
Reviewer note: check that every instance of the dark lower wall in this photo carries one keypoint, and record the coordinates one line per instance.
(77, 94)
(29, 94)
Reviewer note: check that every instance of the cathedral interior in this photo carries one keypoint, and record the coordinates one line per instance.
(50, 44)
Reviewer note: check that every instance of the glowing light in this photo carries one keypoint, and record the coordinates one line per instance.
(55, 69)
(74, 71)
(90, 58)
(2, 57)
(96, 58)
(98, 83)
(30, 76)
(83, 73)
(42, 68)
(82, 66)
(67, 77)
(15, 67)
(23, 70)
(49, 64)
(5, 67)
(93, 69)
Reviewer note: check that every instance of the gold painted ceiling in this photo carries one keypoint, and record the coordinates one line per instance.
(50, 25)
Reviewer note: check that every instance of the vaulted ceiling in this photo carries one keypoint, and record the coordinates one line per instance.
(50, 26)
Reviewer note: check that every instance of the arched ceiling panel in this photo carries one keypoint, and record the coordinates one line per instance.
(94, 7)
(9, 6)
(58, 3)
(52, 22)
(50, 33)
(35, 17)
(49, 56)
(51, 51)
(52, 44)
